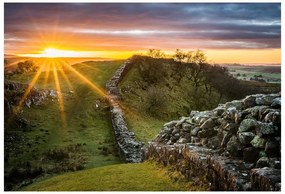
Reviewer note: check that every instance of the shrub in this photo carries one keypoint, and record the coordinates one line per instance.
(69, 158)
(27, 66)
(155, 100)
(156, 53)
(152, 70)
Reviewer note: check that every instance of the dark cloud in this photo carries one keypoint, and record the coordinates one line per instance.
(257, 25)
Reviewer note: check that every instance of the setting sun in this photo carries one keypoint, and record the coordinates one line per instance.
(55, 53)
(51, 52)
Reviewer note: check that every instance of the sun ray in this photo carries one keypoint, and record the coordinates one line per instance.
(60, 99)
(89, 66)
(99, 90)
(61, 62)
(47, 72)
(14, 63)
(30, 86)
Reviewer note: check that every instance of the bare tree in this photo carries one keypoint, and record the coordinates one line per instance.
(156, 53)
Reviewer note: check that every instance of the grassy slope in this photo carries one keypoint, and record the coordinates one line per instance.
(147, 126)
(86, 124)
(124, 177)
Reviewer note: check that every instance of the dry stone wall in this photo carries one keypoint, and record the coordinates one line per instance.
(236, 145)
(130, 149)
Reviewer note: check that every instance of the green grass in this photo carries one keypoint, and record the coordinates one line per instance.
(86, 124)
(123, 177)
(178, 103)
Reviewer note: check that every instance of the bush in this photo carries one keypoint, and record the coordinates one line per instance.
(69, 158)
(21, 172)
(156, 53)
(155, 100)
(27, 66)
(152, 70)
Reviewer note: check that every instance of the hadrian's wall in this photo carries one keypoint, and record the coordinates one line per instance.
(130, 149)
(236, 146)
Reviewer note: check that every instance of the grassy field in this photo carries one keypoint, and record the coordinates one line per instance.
(122, 177)
(87, 128)
(271, 74)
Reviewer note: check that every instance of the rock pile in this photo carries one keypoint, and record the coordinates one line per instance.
(15, 91)
(248, 130)
(130, 149)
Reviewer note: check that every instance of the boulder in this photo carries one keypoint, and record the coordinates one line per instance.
(250, 155)
(247, 125)
(231, 111)
(231, 127)
(170, 124)
(234, 147)
(219, 111)
(265, 129)
(186, 127)
(275, 163)
(265, 99)
(182, 140)
(193, 113)
(175, 130)
(276, 119)
(167, 130)
(276, 102)
(245, 137)
(182, 120)
(272, 148)
(236, 103)
(258, 142)
(254, 111)
(239, 116)
(265, 179)
(174, 138)
(268, 117)
(195, 131)
(262, 162)
(208, 124)
(249, 101)
(226, 139)
(214, 142)
(207, 133)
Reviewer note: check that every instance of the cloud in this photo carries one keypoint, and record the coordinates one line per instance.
(143, 25)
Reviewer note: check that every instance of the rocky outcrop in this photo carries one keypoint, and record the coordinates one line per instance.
(15, 91)
(130, 149)
(244, 132)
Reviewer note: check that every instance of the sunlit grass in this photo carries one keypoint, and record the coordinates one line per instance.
(85, 123)
(54, 66)
(124, 177)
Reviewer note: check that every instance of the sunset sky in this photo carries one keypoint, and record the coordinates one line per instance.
(227, 33)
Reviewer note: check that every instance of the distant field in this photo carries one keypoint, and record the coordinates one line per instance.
(270, 74)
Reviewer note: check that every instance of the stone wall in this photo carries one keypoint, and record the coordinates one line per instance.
(236, 145)
(130, 149)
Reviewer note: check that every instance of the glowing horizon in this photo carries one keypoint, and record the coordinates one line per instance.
(214, 56)
(226, 32)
